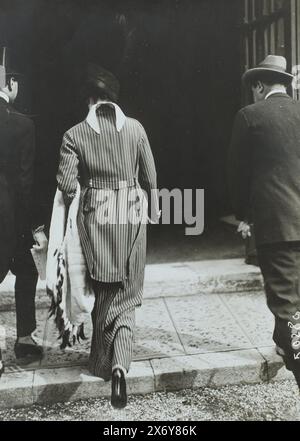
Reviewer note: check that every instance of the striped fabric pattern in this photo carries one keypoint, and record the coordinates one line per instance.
(109, 164)
(106, 165)
(113, 319)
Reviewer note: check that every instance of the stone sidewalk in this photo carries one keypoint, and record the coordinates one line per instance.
(201, 323)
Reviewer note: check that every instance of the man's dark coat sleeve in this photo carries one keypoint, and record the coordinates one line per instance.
(26, 173)
(239, 168)
(29, 208)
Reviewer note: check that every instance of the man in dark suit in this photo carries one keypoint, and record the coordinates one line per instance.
(264, 184)
(19, 216)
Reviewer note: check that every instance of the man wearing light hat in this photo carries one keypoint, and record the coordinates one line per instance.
(264, 185)
(19, 217)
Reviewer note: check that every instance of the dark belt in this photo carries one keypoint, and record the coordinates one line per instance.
(111, 185)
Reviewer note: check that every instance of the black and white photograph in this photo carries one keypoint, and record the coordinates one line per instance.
(149, 213)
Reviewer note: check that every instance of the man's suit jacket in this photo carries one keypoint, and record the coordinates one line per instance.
(17, 208)
(264, 168)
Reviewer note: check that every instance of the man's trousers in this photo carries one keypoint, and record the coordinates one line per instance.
(280, 267)
(25, 286)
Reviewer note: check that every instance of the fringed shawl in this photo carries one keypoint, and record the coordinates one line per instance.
(68, 283)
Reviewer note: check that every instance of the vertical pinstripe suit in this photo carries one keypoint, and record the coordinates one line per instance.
(110, 165)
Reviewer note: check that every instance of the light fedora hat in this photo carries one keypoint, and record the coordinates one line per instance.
(275, 64)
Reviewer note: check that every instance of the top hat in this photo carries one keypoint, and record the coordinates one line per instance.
(5, 68)
(100, 78)
(274, 64)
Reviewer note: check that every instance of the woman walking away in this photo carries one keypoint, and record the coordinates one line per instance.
(109, 154)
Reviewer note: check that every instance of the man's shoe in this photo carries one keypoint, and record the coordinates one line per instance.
(118, 389)
(28, 351)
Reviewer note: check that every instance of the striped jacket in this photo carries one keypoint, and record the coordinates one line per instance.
(112, 166)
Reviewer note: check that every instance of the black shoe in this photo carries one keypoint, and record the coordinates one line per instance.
(118, 389)
(27, 351)
(1, 365)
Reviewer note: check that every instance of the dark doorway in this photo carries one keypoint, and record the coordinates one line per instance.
(179, 65)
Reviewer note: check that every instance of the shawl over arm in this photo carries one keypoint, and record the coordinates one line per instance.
(68, 284)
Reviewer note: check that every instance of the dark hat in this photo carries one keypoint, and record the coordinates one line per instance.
(5, 68)
(274, 64)
(99, 78)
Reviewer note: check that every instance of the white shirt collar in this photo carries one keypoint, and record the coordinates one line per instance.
(4, 96)
(274, 91)
(92, 119)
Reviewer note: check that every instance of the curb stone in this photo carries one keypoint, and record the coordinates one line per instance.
(43, 386)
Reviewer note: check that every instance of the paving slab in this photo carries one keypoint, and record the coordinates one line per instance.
(211, 369)
(155, 332)
(226, 275)
(140, 379)
(276, 369)
(174, 373)
(67, 384)
(170, 279)
(74, 383)
(206, 325)
(155, 336)
(42, 386)
(16, 389)
(252, 314)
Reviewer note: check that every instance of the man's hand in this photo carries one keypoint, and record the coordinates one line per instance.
(244, 229)
(42, 241)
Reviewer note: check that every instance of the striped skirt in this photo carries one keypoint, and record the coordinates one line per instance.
(113, 320)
